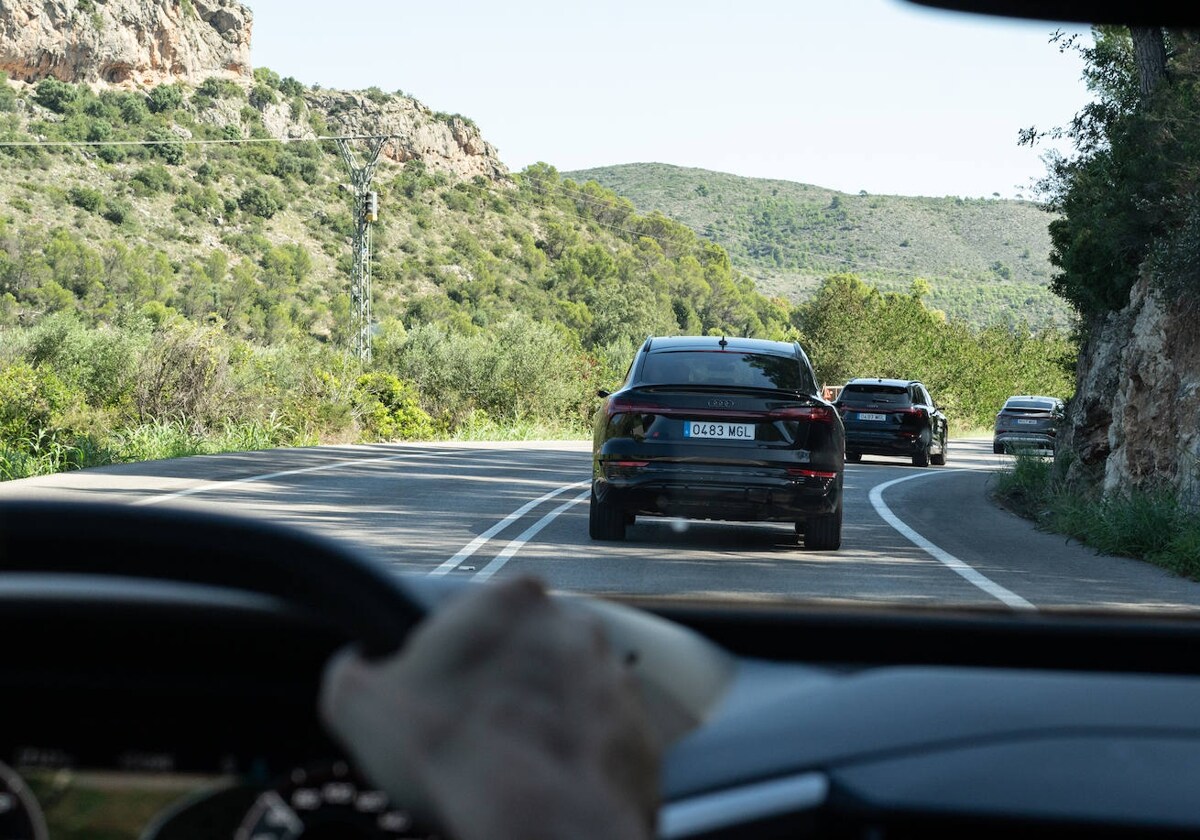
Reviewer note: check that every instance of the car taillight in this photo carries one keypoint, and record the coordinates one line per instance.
(628, 465)
(811, 413)
(806, 473)
(627, 407)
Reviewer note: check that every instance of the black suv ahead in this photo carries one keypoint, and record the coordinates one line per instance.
(1027, 422)
(892, 417)
(715, 428)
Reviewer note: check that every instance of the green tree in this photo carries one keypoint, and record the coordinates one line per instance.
(55, 95)
(165, 98)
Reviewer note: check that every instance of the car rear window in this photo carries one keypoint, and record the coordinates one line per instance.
(869, 393)
(710, 367)
(1030, 405)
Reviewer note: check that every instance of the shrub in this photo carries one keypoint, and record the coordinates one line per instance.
(218, 88)
(86, 198)
(258, 201)
(261, 96)
(166, 145)
(267, 77)
(117, 211)
(289, 87)
(31, 400)
(55, 95)
(152, 179)
(165, 98)
(8, 96)
(133, 108)
(389, 409)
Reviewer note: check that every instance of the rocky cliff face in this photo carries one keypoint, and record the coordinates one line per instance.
(449, 144)
(124, 42)
(443, 143)
(143, 43)
(1136, 418)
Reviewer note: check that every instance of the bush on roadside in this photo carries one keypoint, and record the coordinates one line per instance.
(389, 409)
(1144, 523)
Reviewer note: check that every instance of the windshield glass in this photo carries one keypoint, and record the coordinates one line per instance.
(1031, 405)
(381, 271)
(858, 393)
(744, 370)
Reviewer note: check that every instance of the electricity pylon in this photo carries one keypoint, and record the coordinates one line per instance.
(366, 211)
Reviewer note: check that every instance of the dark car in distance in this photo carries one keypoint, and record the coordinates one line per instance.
(723, 429)
(1027, 422)
(892, 417)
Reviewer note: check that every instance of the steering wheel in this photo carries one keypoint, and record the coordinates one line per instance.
(358, 596)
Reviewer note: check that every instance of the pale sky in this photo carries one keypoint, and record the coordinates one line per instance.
(875, 95)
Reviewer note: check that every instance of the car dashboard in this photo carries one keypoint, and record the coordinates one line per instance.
(138, 707)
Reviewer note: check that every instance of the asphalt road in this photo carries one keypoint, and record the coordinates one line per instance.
(914, 535)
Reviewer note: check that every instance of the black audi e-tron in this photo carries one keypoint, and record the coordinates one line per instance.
(718, 428)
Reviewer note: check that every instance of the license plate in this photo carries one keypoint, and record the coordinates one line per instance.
(733, 431)
(1027, 422)
(862, 415)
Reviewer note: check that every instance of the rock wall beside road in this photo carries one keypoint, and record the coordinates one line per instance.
(1135, 419)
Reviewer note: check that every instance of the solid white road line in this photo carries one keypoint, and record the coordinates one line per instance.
(968, 572)
(477, 543)
(529, 533)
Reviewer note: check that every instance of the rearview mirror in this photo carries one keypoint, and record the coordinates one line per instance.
(602, 393)
(1145, 13)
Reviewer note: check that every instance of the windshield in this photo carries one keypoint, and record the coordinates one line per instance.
(745, 370)
(857, 393)
(379, 271)
(1031, 405)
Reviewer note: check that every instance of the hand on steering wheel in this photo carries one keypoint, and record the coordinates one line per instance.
(505, 715)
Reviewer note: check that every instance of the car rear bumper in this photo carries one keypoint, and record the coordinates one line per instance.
(695, 491)
(1027, 440)
(890, 443)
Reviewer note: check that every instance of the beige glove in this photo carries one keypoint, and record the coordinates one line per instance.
(504, 716)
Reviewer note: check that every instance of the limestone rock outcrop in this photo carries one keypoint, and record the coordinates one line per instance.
(1135, 419)
(124, 42)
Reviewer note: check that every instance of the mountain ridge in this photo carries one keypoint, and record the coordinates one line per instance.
(986, 260)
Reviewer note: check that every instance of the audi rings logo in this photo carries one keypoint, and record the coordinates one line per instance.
(720, 403)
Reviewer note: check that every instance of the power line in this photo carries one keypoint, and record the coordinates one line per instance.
(181, 141)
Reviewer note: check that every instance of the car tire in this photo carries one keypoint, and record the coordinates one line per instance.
(939, 460)
(605, 520)
(823, 532)
(997, 448)
(854, 456)
(921, 458)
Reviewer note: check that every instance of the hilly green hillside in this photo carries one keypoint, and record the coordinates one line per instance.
(986, 260)
(174, 267)
(255, 233)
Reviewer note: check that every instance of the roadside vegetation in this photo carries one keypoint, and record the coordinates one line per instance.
(1145, 524)
(1126, 207)
(168, 299)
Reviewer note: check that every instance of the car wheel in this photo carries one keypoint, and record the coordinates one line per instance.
(997, 448)
(939, 460)
(854, 456)
(824, 532)
(605, 520)
(921, 458)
